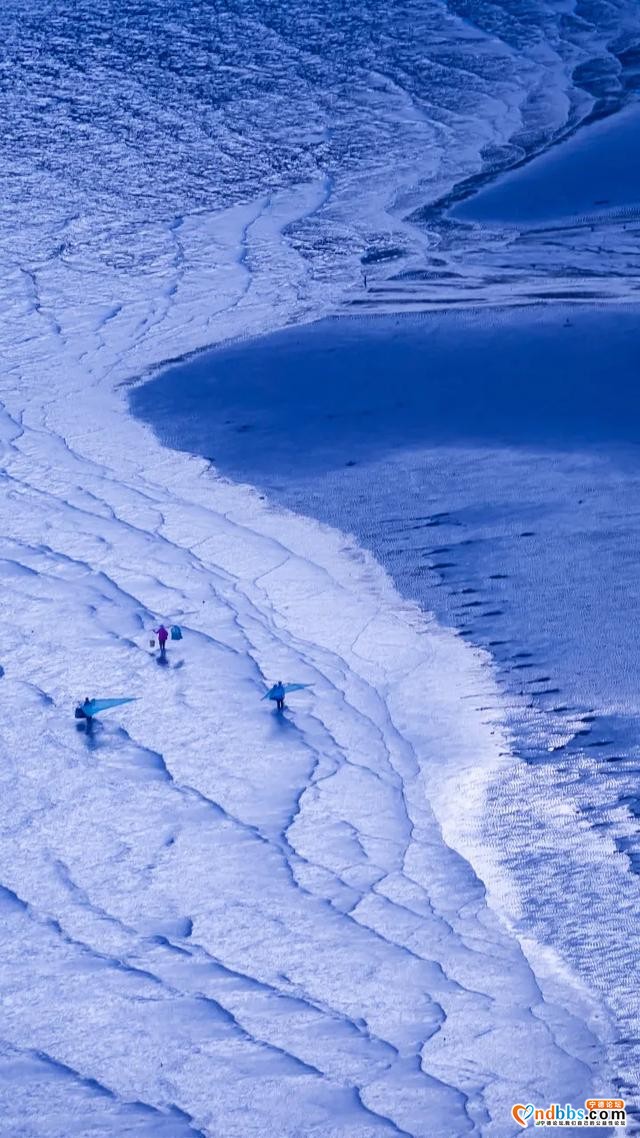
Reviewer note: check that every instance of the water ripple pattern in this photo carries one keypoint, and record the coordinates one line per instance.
(216, 921)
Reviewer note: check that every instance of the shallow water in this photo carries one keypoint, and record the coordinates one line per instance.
(593, 174)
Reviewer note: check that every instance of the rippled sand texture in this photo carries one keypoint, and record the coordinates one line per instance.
(217, 921)
(124, 122)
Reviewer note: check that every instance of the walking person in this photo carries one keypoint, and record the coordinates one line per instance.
(84, 711)
(278, 693)
(91, 707)
(279, 690)
(163, 636)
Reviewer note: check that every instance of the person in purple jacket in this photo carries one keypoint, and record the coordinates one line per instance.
(163, 636)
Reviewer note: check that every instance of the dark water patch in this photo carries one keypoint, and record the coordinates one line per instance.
(380, 256)
(567, 294)
(589, 173)
(517, 383)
